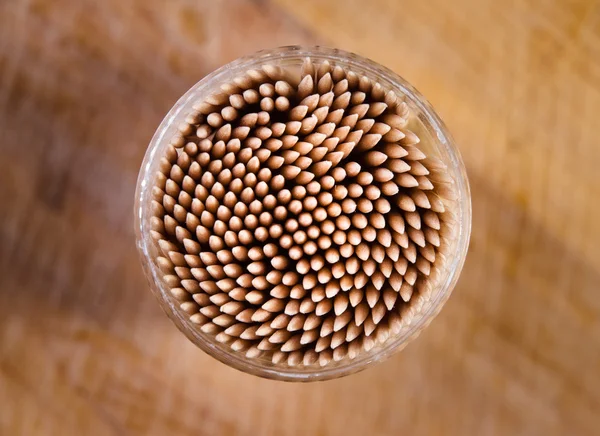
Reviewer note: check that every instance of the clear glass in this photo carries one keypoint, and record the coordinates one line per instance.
(435, 140)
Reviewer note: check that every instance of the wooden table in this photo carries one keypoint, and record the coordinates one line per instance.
(84, 347)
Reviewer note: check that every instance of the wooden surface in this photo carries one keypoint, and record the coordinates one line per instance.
(85, 348)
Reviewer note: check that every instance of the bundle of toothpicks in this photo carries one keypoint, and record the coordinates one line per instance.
(297, 218)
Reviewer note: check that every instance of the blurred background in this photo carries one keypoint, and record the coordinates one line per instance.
(84, 346)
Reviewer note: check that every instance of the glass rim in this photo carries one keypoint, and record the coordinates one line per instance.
(256, 366)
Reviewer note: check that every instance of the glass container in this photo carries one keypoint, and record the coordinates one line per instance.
(435, 141)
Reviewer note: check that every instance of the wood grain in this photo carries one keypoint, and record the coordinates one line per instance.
(85, 349)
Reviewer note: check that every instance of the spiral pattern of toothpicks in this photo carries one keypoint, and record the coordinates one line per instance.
(296, 216)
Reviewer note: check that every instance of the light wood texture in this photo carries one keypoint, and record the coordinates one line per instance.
(85, 349)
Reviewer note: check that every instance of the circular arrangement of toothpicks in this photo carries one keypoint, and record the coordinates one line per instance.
(298, 218)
